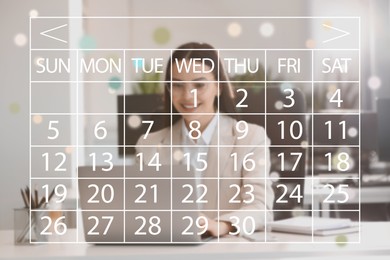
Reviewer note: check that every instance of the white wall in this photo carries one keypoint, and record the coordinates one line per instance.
(375, 40)
(14, 99)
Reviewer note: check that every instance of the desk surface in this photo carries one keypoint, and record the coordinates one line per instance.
(375, 241)
(368, 194)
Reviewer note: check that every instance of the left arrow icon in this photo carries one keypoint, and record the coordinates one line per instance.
(53, 29)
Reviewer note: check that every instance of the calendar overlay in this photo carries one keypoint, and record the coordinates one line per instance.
(86, 113)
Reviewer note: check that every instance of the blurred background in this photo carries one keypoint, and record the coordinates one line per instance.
(90, 34)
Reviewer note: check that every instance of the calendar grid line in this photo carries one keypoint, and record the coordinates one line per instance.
(193, 210)
(210, 146)
(124, 148)
(268, 116)
(224, 114)
(200, 243)
(29, 132)
(171, 143)
(191, 177)
(360, 126)
(266, 149)
(218, 140)
(194, 243)
(162, 210)
(195, 17)
(312, 141)
(206, 178)
(77, 144)
(232, 82)
(220, 49)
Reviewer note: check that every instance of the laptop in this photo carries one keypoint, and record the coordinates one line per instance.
(146, 197)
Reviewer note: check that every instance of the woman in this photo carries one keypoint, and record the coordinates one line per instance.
(197, 92)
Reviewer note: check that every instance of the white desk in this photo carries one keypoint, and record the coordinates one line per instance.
(375, 242)
(368, 195)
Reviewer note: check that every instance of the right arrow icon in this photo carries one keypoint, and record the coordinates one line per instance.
(345, 33)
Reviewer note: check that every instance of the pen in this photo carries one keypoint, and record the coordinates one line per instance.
(50, 196)
(31, 201)
(36, 198)
(41, 202)
(25, 200)
(47, 201)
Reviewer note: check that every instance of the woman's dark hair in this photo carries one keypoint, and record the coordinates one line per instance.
(194, 50)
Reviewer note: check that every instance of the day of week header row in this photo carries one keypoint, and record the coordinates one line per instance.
(48, 66)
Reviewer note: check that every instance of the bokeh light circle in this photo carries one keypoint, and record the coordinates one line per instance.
(37, 119)
(115, 83)
(161, 35)
(341, 240)
(36, 59)
(352, 132)
(14, 108)
(111, 91)
(20, 39)
(68, 150)
(261, 162)
(134, 121)
(178, 155)
(374, 82)
(310, 43)
(274, 176)
(278, 105)
(267, 29)
(33, 13)
(87, 42)
(304, 144)
(234, 29)
(285, 85)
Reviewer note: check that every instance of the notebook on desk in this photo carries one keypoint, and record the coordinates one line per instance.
(353, 180)
(316, 226)
(106, 222)
(375, 179)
